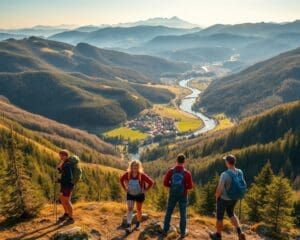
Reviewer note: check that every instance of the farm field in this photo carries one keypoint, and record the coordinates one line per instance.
(126, 133)
(184, 122)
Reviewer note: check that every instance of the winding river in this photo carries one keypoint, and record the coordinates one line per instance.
(186, 105)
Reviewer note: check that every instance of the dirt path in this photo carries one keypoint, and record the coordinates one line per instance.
(104, 218)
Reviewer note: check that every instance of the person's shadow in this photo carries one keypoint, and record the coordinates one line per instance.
(37, 231)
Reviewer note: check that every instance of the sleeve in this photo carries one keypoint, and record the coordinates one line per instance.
(222, 180)
(189, 181)
(148, 180)
(167, 179)
(123, 180)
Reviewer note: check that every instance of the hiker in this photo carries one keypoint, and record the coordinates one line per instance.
(70, 174)
(179, 180)
(136, 183)
(231, 188)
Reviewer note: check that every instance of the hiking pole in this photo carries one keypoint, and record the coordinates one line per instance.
(54, 198)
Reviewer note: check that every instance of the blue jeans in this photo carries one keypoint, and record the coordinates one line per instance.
(182, 201)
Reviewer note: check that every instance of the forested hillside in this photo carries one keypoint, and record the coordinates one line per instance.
(260, 87)
(43, 77)
(88, 146)
(26, 155)
(272, 136)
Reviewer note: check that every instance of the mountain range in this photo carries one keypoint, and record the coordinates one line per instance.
(118, 37)
(177, 40)
(251, 41)
(46, 31)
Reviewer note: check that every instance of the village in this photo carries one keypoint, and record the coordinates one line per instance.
(153, 124)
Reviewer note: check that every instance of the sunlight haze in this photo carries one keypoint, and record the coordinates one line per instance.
(20, 13)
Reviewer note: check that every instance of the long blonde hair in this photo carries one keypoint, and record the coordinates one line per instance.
(135, 162)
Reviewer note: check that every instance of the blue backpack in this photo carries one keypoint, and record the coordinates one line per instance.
(238, 187)
(177, 183)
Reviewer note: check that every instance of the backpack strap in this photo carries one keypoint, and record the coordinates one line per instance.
(139, 177)
(232, 175)
(174, 170)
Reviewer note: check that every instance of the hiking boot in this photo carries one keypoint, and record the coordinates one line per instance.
(242, 236)
(70, 220)
(63, 217)
(182, 236)
(127, 226)
(215, 236)
(137, 225)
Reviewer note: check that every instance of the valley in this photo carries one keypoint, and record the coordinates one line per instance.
(150, 90)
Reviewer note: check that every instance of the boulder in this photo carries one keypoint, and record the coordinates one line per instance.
(155, 229)
(74, 233)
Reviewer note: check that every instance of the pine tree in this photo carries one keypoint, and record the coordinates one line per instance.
(161, 199)
(296, 213)
(194, 197)
(207, 202)
(256, 197)
(279, 204)
(21, 198)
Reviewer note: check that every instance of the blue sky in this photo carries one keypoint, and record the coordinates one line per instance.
(24, 13)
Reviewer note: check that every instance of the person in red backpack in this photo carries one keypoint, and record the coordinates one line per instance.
(179, 181)
(136, 183)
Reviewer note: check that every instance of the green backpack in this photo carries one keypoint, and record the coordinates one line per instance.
(76, 170)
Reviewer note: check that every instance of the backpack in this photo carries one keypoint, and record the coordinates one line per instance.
(177, 183)
(76, 169)
(238, 186)
(134, 186)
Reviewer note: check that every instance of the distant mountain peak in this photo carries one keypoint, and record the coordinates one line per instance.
(174, 22)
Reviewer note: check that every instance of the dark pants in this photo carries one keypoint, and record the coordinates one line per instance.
(182, 201)
(225, 206)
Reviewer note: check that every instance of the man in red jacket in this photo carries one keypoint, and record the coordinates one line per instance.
(179, 180)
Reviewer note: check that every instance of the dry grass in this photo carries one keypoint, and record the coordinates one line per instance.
(106, 217)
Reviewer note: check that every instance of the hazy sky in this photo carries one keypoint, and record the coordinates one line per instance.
(24, 13)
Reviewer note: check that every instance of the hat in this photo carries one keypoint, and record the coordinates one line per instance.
(231, 159)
